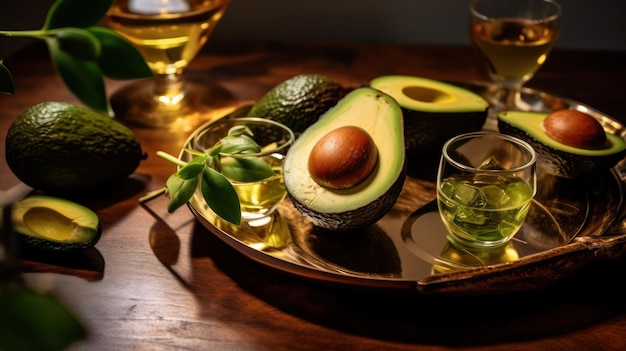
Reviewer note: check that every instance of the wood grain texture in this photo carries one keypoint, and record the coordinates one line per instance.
(159, 281)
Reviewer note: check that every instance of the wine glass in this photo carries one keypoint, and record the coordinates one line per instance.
(513, 39)
(169, 34)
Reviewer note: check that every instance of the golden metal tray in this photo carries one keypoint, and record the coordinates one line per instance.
(571, 224)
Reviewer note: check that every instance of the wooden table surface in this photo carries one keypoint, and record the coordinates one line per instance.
(157, 281)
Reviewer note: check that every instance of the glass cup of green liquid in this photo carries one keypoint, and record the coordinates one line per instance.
(258, 198)
(485, 185)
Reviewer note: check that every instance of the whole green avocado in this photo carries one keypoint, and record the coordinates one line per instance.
(299, 101)
(61, 148)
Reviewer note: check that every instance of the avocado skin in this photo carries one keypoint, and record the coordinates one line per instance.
(426, 132)
(358, 218)
(39, 244)
(61, 148)
(562, 163)
(298, 102)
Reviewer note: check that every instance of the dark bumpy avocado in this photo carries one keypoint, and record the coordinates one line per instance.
(365, 203)
(433, 111)
(61, 148)
(299, 101)
(554, 156)
(54, 224)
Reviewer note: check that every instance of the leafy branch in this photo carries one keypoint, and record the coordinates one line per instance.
(82, 53)
(212, 169)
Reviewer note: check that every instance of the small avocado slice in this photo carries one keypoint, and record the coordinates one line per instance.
(556, 157)
(434, 111)
(54, 224)
(363, 204)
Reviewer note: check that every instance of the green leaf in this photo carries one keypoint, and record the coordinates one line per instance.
(198, 159)
(76, 13)
(232, 144)
(180, 190)
(215, 150)
(82, 77)
(220, 195)
(119, 58)
(239, 130)
(6, 80)
(34, 321)
(191, 170)
(245, 169)
(78, 43)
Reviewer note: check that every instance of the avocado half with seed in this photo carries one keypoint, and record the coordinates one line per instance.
(54, 224)
(434, 111)
(559, 158)
(365, 202)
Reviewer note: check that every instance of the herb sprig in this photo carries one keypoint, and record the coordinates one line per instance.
(213, 169)
(82, 53)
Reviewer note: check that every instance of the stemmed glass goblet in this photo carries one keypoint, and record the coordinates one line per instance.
(169, 34)
(513, 39)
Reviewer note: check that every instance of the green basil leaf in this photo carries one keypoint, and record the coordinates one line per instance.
(36, 321)
(215, 150)
(239, 130)
(174, 183)
(83, 77)
(78, 43)
(233, 144)
(245, 169)
(180, 190)
(6, 80)
(76, 13)
(198, 159)
(220, 195)
(191, 170)
(119, 58)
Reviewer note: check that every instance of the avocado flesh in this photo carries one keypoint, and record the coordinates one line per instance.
(367, 202)
(558, 158)
(433, 111)
(61, 148)
(54, 224)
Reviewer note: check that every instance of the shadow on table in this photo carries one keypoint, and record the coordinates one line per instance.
(588, 297)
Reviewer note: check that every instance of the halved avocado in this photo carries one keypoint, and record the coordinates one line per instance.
(433, 111)
(556, 157)
(54, 224)
(366, 202)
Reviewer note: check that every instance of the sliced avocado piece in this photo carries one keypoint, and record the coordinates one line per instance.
(365, 203)
(299, 101)
(54, 224)
(434, 111)
(555, 157)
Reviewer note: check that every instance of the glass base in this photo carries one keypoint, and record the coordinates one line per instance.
(196, 103)
(518, 99)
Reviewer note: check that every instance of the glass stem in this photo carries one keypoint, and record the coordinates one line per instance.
(169, 89)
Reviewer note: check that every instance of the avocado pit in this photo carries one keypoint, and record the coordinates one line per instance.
(575, 128)
(343, 158)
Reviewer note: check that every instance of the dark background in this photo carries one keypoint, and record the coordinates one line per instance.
(586, 24)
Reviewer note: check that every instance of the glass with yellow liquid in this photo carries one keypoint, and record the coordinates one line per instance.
(169, 34)
(258, 199)
(513, 38)
(485, 184)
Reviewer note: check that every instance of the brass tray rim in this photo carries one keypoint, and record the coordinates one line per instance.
(569, 257)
